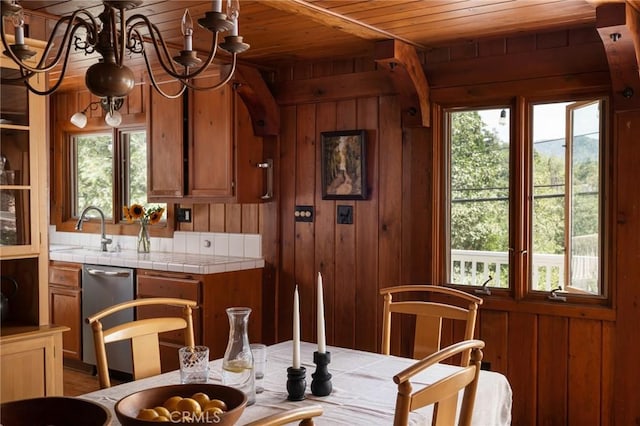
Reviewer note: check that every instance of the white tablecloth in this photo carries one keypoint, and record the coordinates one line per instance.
(363, 389)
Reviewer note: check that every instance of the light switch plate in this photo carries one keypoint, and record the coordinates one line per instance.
(303, 213)
(344, 215)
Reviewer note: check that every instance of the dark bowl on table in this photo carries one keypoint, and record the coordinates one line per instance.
(127, 408)
(54, 410)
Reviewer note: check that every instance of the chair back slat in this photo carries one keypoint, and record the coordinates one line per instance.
(142, 327)
(146, 356)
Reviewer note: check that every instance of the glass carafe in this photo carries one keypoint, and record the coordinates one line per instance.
(237, 364)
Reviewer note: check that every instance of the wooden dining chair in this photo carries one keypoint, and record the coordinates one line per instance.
(142, 333)
(443, 394)
(429, 316)
(305, 415)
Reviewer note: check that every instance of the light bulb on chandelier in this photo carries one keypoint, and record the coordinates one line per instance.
(115, 36)
(110, 106)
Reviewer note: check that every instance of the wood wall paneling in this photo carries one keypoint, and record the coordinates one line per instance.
(287, 224)
(325, 219)
(553, 335)
(368, 308)
(585, 371)
(627, 266)
(304, 231)
(390, 206)
(347, 252)
(522, 366)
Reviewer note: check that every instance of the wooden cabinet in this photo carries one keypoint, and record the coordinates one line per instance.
(209, 153)
(30, 349)
(214, 293)
(182, 287)
(65, 305)
(31, 359)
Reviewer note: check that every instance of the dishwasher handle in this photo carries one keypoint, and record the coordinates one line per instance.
(100, 272)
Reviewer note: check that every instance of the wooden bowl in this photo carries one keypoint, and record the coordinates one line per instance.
(54, 410)
(127, 408)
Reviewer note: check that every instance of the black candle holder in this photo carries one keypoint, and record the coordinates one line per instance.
(296, 383)
(321, 383)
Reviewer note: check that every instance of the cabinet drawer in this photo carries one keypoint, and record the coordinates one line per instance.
(153, 286)
(65, 275)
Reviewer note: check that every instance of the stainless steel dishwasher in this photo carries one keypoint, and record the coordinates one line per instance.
(104, 286)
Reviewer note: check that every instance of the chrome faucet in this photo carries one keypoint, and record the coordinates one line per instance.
(103, 238)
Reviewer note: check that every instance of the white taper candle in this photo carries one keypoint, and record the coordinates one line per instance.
(296, 329)
(322, 345)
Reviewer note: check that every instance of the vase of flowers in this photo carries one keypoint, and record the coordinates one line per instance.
(146, 217)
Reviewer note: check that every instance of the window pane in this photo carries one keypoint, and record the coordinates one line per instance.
(135, 170)
(479, 197)
(566, 196)
(94, 172)
(136, 148)
(584, 264)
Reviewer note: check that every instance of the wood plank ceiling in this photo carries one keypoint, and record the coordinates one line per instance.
(283, 31)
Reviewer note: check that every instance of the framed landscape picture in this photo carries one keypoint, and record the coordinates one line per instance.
(343, 165)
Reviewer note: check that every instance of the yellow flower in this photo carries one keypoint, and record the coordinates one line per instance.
(155, 216)
(136, 210)
(151, 215)
(126, 214)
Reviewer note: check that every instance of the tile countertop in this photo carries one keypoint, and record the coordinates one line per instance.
(159, 261)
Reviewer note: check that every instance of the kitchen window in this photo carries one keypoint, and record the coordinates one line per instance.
(108, 170)
(527, 218)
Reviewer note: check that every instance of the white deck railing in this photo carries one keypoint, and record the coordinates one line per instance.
(473, 267)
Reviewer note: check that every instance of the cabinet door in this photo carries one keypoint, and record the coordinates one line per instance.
(65, 309)
(211, 159)
(182, 288)
(250, 179)
(31, 364)
(165, 145)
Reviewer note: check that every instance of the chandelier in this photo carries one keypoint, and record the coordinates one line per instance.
(115, 36)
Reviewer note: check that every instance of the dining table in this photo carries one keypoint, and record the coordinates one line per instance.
(363, 390)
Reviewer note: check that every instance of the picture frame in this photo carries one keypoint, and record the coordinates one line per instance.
(343, 165)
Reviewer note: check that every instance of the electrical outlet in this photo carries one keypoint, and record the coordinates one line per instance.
(183, 215)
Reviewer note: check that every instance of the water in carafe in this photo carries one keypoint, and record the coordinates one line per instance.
(237, 364)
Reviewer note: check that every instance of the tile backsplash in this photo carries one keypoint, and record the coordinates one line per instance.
(205, 243)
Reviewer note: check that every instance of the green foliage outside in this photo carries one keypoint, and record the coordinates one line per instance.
(94, 171)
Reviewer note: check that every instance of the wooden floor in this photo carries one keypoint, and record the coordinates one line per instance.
(78, 381)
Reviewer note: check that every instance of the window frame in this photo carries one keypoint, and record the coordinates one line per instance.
(521, 208)
(62, 191)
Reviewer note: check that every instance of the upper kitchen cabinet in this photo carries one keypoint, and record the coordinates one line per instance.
(24, 203)
(202, 149)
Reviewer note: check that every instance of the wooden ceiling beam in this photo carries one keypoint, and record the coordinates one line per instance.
(618, 25)
(409, 79)
(337, 21)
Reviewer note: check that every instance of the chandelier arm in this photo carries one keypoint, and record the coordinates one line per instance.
(159, 42)
(220, 83)
(155, 84)
(26, 76)
(64, 45)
